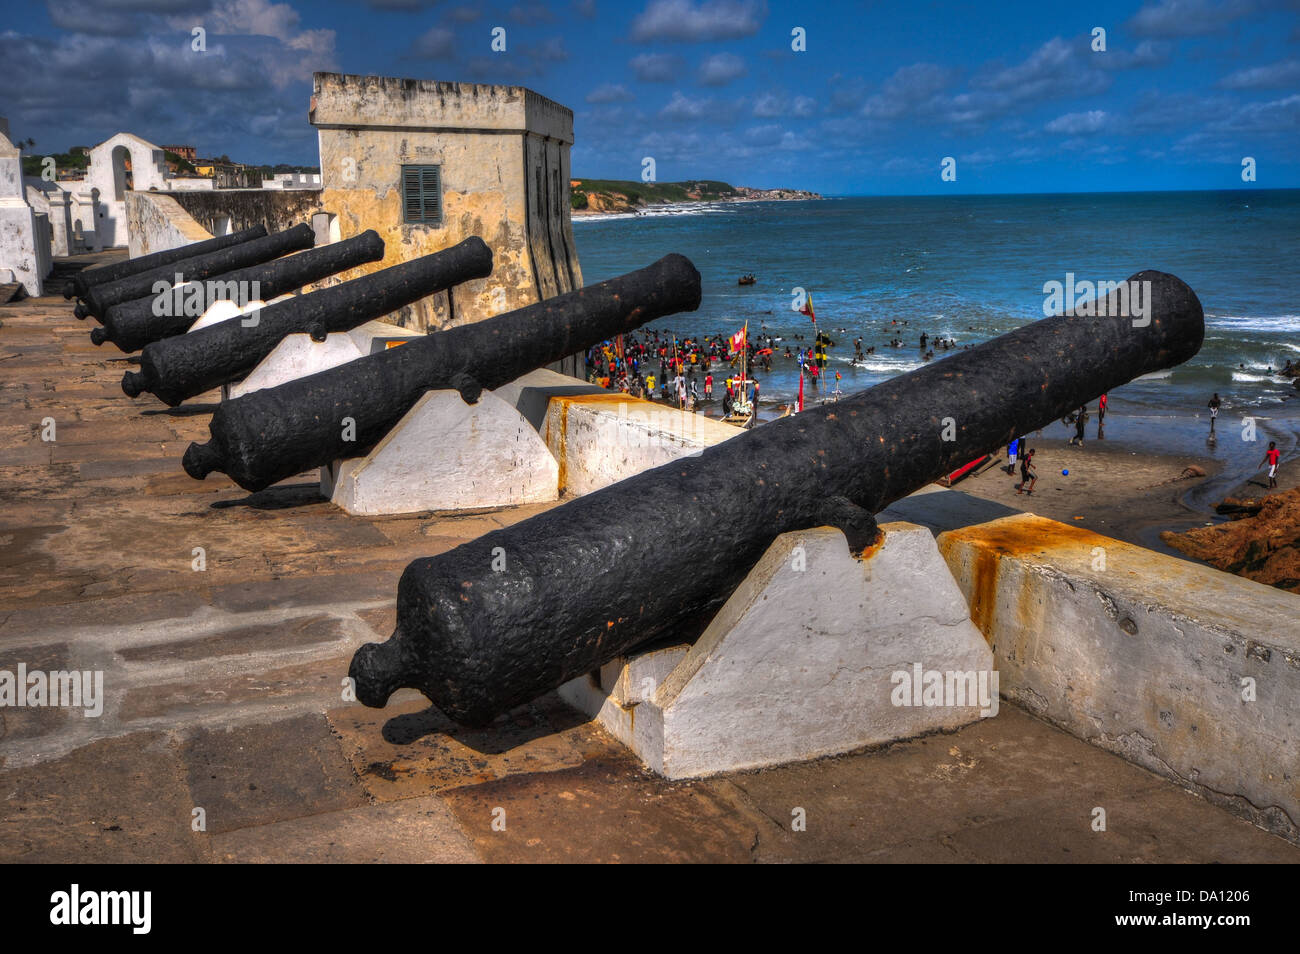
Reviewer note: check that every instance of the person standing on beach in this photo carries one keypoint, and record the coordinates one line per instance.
(1214, 409)
(1101, 414)
(1271, 457)
(1028, 474)
(1012, 448)
(708, 386)
(1080, 421)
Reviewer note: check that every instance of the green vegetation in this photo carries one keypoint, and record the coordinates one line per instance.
(62, 160)
(179, 163)
(646, 193)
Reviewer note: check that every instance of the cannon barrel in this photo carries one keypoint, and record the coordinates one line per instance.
(274, 433)
(133, 324)
(595, 577)
(79, 283)
(181, 367)
(99, 298)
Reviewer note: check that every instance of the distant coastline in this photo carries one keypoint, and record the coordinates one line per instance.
(594, 197)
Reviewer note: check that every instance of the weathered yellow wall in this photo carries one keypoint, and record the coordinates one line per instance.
(474, 203)
(490, 142)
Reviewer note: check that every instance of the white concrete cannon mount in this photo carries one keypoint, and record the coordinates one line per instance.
(816, 653)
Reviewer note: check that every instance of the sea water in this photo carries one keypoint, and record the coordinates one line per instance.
(973, 267)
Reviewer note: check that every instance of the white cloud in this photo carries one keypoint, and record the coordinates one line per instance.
(720, 69)
(1273, 76)
(1171, 18)
(609, 93)
(657, 67)
(692, 22)
(1076, 124)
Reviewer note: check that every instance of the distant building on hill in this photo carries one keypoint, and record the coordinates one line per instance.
(187, 153)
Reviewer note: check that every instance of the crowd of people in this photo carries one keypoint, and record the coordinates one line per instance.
(657, 365)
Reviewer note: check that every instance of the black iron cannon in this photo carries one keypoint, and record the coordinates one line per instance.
(504, 618)
(274, 433)
(133, 324)
(83, 280)
(181, 367)
(99, 298)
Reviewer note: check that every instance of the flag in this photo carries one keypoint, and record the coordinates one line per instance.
(807, 308)
(738, 341)
(800, 407)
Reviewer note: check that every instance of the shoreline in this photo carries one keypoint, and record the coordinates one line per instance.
(685, 208)
(1127, 486)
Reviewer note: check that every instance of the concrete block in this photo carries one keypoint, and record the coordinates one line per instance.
(223, 309)
(1190, 672)
(602, 438)
(298, 355)
(447, 455)
(814, 654)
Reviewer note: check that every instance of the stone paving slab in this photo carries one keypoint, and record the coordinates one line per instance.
(410, 832)
(226, 770)
(119, 800)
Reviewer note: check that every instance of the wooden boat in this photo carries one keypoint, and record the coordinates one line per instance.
(746, 280)
(962, 472)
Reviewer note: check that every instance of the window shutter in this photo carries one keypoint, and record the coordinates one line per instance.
(422, 194)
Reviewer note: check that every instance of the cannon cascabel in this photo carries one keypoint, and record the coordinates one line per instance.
(183, 366)
(130, 325)
(604, 573)
(268, 435)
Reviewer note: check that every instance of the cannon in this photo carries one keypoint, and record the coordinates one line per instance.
(99, 298)
(133, 324)
(505, 618)
(268, 435)
(181, 367)
(77, 285)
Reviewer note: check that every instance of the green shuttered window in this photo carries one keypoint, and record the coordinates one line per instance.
(422, 195)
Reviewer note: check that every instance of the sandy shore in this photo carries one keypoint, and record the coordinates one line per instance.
(1108, 489)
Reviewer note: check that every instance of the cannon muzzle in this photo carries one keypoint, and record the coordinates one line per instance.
(183, 366)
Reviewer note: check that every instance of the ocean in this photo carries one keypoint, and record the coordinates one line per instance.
(973, 267)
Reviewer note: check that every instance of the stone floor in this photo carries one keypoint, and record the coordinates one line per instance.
(225, 735)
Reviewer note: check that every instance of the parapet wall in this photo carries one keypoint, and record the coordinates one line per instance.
(156, 222)
(221, 211)
(1190, 672)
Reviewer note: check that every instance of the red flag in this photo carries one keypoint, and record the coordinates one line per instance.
(800, 390)
(738, 341)
(807, 308)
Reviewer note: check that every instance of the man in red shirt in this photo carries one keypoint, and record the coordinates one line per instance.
(1271, 457)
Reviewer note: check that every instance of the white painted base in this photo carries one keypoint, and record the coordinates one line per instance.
(800, 663)
(448, 455)
(298, 355)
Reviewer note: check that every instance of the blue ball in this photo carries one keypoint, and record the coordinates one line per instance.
(1065, 473)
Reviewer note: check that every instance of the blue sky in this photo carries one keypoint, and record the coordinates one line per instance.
(1013, 91)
